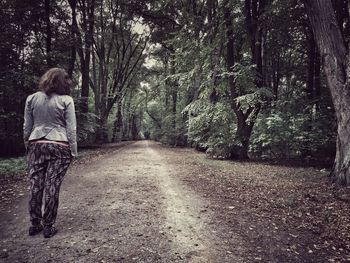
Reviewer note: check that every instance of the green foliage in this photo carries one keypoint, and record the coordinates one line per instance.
(244, 74)
(211, 128)
(86, 128)
(188, 95)
(12, 166)
(307, 133)
(278, 135)
(23, 60)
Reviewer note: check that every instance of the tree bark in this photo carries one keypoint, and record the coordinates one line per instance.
(118, 124)
(173, 87)
(102, 129)
(276, 76)
(336, 64)
(74, 28)
(88, 26)
(240, 152)
(253, 12)
(48, 33)
(134, 129)
(311, 67)
(245, 120)
(317, 79)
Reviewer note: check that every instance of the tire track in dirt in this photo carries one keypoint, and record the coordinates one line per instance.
(182, 211)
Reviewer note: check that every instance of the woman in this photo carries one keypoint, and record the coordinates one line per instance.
(50, 137)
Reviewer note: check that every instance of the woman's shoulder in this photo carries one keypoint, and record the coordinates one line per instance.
(35, 95)
(65, 99)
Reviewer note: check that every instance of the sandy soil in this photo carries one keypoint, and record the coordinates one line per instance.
(148, 203)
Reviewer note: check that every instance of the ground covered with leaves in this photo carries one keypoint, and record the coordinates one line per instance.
(247, 211)
(284, 214)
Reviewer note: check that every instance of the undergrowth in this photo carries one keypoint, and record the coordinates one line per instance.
(12, 166)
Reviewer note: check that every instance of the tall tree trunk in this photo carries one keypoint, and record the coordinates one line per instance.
(173, 93)
(74, 28)
(313, 85)
(244, 127)
(309, 89)
(127, 115)
(165, 60)
(254, 10)
(134, 129)
(311, 67)
(85, 60)
(276, 76)
(84, 96)
(317, 80)
(336, 65)
(48, 32)
(102, 129)
(118, 123)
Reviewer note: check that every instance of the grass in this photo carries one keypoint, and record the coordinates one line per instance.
(12, 166)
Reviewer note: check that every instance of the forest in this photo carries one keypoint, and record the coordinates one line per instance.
(237, 79)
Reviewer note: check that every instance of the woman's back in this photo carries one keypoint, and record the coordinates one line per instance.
(49, 116)
(49, 110)
(49, 113)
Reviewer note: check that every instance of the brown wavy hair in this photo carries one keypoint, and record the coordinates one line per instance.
(55, 80)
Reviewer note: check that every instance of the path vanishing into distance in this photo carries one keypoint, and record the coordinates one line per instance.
(128, 206)
(144, 202)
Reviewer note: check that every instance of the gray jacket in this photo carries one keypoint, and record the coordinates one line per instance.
(50, 117)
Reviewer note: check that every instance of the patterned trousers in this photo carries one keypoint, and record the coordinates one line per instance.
(47, 165)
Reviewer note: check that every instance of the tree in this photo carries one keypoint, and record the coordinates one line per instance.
(117, 57)
(336, 64)
(84, 40)
(30, 44)
(230, 77)
(246, 116)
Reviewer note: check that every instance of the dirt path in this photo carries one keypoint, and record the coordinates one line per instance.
(144, 202)
(127, 206)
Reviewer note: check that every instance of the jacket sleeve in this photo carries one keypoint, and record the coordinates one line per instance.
(71, 127)
(28, 121)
